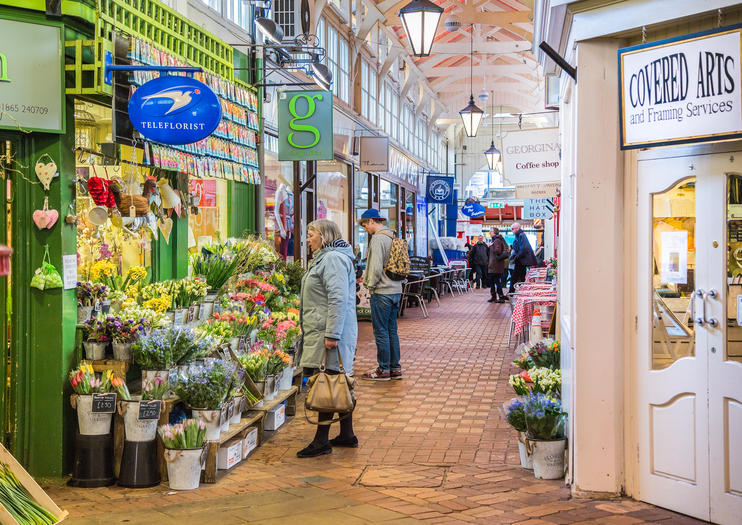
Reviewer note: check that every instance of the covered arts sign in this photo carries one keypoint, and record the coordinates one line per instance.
(682, 90)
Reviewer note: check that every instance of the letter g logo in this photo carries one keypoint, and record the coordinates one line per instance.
(304, 128)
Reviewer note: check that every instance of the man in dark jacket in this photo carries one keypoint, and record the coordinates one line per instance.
(498, 254)
(479, 260)
(522, 256)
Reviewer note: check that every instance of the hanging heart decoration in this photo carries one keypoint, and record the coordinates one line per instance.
(45, 218)
(166, 226)
(100, 192)
(46, 171)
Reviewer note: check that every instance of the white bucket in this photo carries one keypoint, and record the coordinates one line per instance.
(84, 313)
(270, 388)
(122, 351)
(526, 460)
(548, 458)
(91, 424)
(205, 311)
(183, 468)
(136, 429)
(239, 403)
(286, 378)
(211, 419)
(94, 350)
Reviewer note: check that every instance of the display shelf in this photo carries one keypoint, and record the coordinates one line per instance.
(283, 395)
(253, 419)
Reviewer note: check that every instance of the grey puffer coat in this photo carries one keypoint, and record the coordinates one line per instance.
(328, 308)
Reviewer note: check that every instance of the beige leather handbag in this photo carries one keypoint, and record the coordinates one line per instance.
(330, 392)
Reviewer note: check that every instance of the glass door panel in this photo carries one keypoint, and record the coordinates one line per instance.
(734, 269)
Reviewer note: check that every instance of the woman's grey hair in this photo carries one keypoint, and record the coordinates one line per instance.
(327, 230)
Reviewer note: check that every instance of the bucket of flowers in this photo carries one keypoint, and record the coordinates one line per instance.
(545, 430)
(88, 295)
(86, 383)
(255, 364)
(516, 417)
(95, 338)
(184, 453)
(204, 391)
(135, 429)
(123, 333)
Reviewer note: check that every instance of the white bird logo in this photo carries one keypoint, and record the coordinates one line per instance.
(180, 98)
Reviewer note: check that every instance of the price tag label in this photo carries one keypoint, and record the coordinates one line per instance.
(104, 403)
(204, 453)
(230, 410)
(222, 415)
(149, 409)
(178, 318)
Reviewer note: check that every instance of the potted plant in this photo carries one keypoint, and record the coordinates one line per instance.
(123, 333)
(215, 266)
(204, 392)
(278, 363)
(545, 429)
(85, 383)
(154, 353)
(95, 339)
(516, 417)
(255, 364)
(88, 294)
(184, 444)
(545, 354)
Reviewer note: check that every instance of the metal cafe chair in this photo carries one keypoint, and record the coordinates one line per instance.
(431, 288)
(414, 290)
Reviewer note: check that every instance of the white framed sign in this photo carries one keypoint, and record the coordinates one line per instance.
(531, 155)
(374, 154)
(681, 90)
(537, 191)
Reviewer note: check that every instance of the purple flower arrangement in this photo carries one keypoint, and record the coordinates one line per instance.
(88, 294)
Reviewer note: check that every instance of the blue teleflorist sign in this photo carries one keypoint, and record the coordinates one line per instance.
(440, 189)
(473, 209)
(175, 110)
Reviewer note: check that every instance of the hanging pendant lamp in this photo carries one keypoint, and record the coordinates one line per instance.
(471, 115)
(492, 154)
(420, 20)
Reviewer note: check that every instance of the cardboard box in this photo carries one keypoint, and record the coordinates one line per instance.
(250, 442)
(275, 417)
(229, 454)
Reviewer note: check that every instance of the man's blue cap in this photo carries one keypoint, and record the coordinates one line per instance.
(372, 214)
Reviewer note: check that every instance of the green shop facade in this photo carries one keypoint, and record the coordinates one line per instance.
(56, 107)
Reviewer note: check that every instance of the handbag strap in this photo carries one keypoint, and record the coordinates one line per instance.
(324, 360)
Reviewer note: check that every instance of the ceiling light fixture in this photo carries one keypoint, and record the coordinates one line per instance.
(471, 115)
(492, 154)
(420, 20)
(270, 29)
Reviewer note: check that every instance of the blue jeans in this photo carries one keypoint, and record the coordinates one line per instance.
(384, 310)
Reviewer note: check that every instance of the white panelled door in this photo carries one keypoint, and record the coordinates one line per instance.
(689, 366)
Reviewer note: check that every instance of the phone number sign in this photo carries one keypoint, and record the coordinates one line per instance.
(31, 88)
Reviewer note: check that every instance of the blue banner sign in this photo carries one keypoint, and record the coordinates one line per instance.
(473, 209)
(175, 110)
(440, 189)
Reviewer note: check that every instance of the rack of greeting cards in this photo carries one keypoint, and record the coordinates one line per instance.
(230, 152)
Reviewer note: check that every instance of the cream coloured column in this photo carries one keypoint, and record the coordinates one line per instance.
(597, 373)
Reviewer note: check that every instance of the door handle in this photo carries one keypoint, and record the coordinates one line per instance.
(700, 321)
(712, 322)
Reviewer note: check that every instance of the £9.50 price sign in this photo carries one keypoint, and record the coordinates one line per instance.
(681, 90)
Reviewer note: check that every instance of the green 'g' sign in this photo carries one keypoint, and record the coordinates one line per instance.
(305, 125)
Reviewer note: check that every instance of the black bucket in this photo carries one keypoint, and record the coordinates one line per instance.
(93, 465)
(139, 465)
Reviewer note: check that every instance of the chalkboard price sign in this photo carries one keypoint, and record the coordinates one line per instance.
(104, 403)
(149, 409)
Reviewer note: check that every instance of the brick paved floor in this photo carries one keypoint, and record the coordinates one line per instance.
(433, 448)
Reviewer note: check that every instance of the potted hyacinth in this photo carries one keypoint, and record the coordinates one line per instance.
(204, 391)
(95, 339)
(545, 430)
(184, 444)
(85, 382)
(88, 295)
(516, 417)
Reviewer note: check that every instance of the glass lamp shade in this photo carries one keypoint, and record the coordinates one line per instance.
(492, 155)
(420, 19)
(270, 29)
(471, 116)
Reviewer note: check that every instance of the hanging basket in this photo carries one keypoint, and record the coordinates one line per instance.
(5, 252)
(140, 203)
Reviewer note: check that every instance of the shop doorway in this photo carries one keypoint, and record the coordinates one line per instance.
(689, 360)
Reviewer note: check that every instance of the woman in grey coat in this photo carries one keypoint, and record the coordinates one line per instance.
(328, 321)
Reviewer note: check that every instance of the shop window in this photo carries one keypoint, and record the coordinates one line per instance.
(332, 57)
(395, 117)
(362, 200)
(332, 194)
(238, 11)
(210, 224)
(368, 93)
(388, 204)
(344, 71)
(409, 220)
(284, 13)
(279, 199)
(216, 5)
(388, 109)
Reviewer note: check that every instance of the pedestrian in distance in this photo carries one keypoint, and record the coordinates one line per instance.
(328, 323)
(479, 262)
(499, 251)
(522, 256)
(385, 296)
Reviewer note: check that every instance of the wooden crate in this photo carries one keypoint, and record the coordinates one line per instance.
(119, 368)
(33, 488)
(254, 419)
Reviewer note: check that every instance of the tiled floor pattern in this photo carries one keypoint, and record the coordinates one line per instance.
(434, 449)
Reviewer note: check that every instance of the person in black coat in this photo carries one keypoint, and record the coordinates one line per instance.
(522, 256)
(479, 258)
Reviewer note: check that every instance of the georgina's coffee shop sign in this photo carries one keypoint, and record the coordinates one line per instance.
(682, 90)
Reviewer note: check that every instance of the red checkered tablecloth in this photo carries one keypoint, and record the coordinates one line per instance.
(521, 314)
(536, 274)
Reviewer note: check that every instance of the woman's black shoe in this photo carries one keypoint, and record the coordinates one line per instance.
(343, 442)
(312, 450)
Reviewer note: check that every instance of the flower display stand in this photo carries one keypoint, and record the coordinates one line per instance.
(283, 395)
(119, 368)
(252, 419)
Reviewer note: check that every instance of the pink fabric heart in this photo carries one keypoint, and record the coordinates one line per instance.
(52, 218)
(41, 219)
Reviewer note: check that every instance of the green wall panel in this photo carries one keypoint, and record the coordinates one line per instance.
(242, 209)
